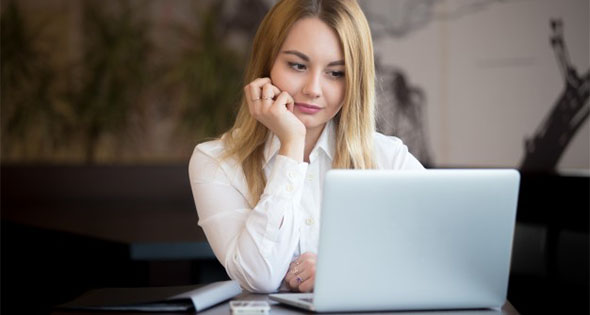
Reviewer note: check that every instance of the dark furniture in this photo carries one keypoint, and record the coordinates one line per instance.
(550, 264)
(66, 229)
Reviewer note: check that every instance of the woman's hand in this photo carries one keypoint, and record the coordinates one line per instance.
(301, 274)
(274, 109)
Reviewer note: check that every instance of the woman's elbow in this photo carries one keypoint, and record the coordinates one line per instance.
(258, 282)
(263, 287)
(254, 272)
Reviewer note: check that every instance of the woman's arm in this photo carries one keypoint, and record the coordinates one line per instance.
(255, 245)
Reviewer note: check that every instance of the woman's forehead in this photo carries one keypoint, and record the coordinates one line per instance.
(314, 38)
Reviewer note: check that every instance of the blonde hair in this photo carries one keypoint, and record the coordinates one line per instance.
(354, 124)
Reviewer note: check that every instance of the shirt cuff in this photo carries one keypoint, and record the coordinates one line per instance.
(286, 179)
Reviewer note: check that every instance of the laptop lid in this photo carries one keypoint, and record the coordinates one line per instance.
(406, 240)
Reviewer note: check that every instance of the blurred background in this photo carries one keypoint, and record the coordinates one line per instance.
(102, 103)
(93, 82)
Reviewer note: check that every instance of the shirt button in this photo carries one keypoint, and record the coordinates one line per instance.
(309, 221)
(309, 178)
(290, 188)
(291, 174)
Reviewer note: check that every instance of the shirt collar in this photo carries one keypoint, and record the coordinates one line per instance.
(326, 142)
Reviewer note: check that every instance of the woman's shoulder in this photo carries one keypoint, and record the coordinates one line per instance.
(392, 153)
(208, 161)
(213, 148)
(387, 143)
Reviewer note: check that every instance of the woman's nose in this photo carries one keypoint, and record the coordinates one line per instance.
(312, 86)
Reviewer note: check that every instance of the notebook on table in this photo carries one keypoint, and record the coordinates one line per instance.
(156, 299)
(413, 240)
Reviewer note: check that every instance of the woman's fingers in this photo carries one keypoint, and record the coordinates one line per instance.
(307, 285)
(290, 273)
(274, 109)
(301, 277)
(286, 100)
(253, 94)
(307, 278)
(268, 95)
(261, 95)
(269, 90)
(253, 89)
(301, 274)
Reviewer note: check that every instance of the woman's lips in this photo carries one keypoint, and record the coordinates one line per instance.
(307, 108)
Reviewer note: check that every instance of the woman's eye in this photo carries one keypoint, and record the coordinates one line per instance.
(336, 74)
(297, 66)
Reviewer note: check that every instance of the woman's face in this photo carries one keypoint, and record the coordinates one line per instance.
(310, 67)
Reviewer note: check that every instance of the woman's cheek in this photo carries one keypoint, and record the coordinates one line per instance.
(337, 93)
(284, 81)
(277, 80)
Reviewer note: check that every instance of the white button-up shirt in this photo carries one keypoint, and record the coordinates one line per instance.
(256, 244)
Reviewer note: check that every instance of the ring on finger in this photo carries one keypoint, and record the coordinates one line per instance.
(299, 280)
(266, 98)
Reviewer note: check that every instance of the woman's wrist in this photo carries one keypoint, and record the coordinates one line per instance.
(293, 149)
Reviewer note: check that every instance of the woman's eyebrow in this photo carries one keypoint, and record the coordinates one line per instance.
(336, 63)
(297, 53)
(306, 59)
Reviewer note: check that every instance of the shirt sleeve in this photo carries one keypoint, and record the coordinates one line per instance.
(404, 160)
(255, 245)
(392, 153)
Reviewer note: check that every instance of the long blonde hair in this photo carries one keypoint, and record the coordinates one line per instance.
(354, 124)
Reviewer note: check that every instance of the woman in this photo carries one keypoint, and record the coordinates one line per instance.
(308, 106)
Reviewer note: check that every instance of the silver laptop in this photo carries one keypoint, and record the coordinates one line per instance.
(413, 240)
